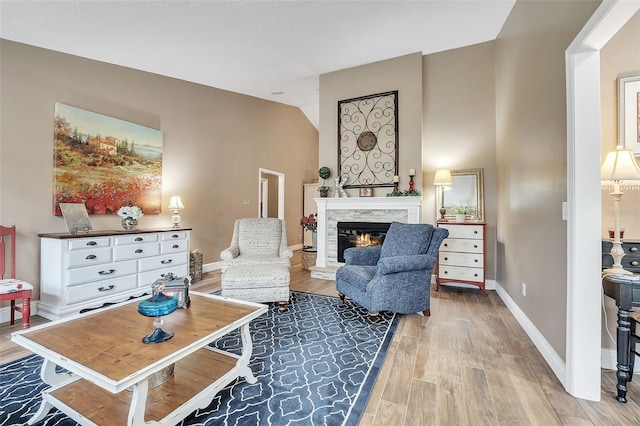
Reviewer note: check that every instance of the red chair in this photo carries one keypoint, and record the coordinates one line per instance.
(12, 288)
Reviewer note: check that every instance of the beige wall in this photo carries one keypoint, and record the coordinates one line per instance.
(214, 143)
(531, 136)
(620, 55)
(403, 74)
(459, 126)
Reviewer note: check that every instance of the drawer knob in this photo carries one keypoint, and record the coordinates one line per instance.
(446, 245)
(175, 236)
(175, 246)
(446, 258)
(164, 262)
(139, 239)
(446, 272)
(475, 232)
(92, 243)
(475, 246)
(475, 260)
(91, 257)
(475, 275)
(109, 272)
(635, 263)
(633, 249)
(139, 251)
(110, 287)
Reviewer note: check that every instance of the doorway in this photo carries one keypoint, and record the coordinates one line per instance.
(583, 375)
(270, 193)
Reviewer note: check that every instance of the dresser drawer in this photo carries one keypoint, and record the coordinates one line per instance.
(466, 246)
(178, 235)
(87, 243)
(81, 258)
(461, 259)
(461, 273)
(101, 272)
(148, 278)
(474, 232)
(80, 293)
(136, 239)
(163, 261)
(136, 251)
(174, 246)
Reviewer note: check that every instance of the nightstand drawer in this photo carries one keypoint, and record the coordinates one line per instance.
(465, 246)
(461, 259)
(474, 232)
(461, 273)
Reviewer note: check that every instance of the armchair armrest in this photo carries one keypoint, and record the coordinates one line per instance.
(229, 253)
(286, 253)
(394, 264)
(365, 256)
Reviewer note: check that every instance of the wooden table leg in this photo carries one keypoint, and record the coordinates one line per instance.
(623, 349)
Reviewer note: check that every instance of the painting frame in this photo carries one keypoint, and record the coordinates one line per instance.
(105, 163)
(368, 140)
(629, 111)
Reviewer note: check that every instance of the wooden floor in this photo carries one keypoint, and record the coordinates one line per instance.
(470, 363)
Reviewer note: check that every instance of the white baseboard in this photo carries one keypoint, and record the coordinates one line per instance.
(556, 363)
(609, 360)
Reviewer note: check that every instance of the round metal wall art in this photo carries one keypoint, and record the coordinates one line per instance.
(367, 140)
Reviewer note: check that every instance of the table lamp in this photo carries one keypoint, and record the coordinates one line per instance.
(442, 180)
(619, 168)
(176, 205)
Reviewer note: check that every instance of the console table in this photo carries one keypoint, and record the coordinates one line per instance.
(86, 270)
(627, 295)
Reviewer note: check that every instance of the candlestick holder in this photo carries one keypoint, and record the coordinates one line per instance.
(411, 183)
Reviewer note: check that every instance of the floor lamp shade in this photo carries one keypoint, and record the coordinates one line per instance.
(619, 166)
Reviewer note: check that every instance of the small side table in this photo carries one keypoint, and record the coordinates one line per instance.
(627, 295)
(309, 258)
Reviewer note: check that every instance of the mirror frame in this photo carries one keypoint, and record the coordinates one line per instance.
(479, 183)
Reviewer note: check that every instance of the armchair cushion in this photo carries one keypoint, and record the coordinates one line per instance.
(392, 265)
(406, 239)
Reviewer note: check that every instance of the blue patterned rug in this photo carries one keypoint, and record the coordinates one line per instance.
(316, 364)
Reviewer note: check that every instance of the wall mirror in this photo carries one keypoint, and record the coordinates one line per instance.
(466, 190)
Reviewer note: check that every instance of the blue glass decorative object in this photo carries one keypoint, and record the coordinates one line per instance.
(158, 305)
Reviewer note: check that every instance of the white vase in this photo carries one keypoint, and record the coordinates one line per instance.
(460, 217)
(314, 239)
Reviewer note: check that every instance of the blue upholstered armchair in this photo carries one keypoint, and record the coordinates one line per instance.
(395, 276)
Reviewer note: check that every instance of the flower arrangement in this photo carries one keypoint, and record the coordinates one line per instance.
(309, 223)
(130, 211)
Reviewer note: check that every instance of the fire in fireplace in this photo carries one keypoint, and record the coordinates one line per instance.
(360, 234)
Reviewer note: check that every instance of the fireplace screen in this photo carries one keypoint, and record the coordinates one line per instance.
(360, 234)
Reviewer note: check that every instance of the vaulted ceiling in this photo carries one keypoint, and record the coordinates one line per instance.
(273, 50)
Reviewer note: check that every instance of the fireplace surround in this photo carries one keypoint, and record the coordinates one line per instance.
(355, 209)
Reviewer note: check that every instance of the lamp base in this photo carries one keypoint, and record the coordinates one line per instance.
(616, 271)
(175, 219)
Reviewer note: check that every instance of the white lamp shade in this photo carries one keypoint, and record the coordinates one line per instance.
(620, 165)
(176, 203)
(443, 177)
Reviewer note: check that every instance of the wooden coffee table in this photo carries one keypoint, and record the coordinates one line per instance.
(110, 367)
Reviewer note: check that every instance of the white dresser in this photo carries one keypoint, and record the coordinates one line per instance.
(462, 255)
(87, 270)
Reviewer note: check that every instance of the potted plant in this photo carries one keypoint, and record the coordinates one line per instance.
(461, 212)
(324, 174)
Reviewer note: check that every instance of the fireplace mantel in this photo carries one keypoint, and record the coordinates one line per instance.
(362, 209)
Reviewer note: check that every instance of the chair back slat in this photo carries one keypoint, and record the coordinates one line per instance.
(7, 231)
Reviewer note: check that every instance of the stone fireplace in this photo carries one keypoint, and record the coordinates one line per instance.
(355, 209)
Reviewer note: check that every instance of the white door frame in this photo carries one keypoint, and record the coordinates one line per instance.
(584, 288)
(280, 175)
(264, 198)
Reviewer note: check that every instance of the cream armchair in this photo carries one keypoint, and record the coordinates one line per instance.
(257, 241)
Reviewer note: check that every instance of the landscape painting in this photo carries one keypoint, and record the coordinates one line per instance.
(105, 163)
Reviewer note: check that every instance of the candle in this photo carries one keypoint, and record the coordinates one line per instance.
(412, 172)
(396, 179)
